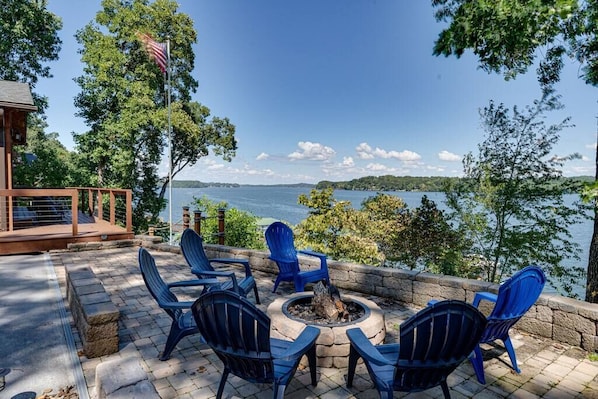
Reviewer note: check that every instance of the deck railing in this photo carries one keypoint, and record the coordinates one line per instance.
(29, 207)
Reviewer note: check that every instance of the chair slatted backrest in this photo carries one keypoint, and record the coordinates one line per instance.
(238, 332)
(435, 341)
(515, 297)
(155, 284)
(281, 241)
(192, 249)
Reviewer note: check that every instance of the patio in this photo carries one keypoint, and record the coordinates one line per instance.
(549, 369)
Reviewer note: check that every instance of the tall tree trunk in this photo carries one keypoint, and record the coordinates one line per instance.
(592, 279)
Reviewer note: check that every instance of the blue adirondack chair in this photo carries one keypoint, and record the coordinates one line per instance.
(180, 312)
(433, 342)
(280, 240)
(239, 334)
(515, 297)
(201, 266)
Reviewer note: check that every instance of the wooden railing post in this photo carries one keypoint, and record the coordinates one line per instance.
(100, 201)
(186, 217)
(197, 221)
(112, 208)
(220, 226)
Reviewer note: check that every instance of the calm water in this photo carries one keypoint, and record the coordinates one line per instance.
(281, 203)
(276, 202)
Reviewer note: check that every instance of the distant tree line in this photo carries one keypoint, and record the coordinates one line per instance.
(413, 183)
(198, 184)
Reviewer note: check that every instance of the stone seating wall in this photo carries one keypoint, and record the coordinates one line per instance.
(94, 314)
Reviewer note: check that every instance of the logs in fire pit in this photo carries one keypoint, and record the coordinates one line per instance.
(326, 307)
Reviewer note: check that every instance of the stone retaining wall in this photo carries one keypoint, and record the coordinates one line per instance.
(553, 316)
(95, 316)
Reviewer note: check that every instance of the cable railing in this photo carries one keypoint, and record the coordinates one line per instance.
(27, 207)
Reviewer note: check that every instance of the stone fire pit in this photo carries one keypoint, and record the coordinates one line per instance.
(332, 346)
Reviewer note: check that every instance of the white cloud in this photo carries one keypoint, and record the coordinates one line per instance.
(215, 166)
(312, 152)
(378, 167)
(262, 157)
(348, 162)
(405, 155)
(448, 156)
(364, 151)
(592, 146)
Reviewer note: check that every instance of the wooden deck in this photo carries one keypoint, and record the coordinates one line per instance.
(45, 238)
(57, 229)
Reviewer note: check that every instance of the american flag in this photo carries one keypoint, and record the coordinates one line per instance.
(156, 50)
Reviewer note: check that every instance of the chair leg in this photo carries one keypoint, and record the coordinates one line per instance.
(276, 283)
(353, 357)
(222, 383)
(257, 296)
(311, 359)
(478, 364)
(299, 285)
(174, 336)
(511, 352)
(445, 390)
(278, 391)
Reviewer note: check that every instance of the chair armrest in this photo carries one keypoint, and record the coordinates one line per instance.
(232, 261)
(193, 283)
(176, 305)
(214, 273)
(301, 345)
(313, 253)
(488, 296)
(366, 349)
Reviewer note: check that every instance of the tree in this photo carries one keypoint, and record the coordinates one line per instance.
(333, 227)
(44, 161)
(511, 202)
(506, 36)
(28, 40)
(122, 99)
(384, 218)
(428, 241)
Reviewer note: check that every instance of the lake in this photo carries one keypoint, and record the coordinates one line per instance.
(281, 203)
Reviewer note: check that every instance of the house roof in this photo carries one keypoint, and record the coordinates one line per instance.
(16, 95)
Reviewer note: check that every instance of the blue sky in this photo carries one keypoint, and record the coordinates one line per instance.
(333, 90)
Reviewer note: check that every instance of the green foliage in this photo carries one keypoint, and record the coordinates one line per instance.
(28, 40)
(123, 100)
(241, 228)
(388, 183)
(429, 242)
(44, 162)
(333, 227)
(505, 35)
(510, 204)
(382, 231)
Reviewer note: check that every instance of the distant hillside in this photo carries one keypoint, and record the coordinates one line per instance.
(404, 183)
(198, 184)
(389, 183)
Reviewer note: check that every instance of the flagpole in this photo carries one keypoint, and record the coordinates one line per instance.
(169, 146)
